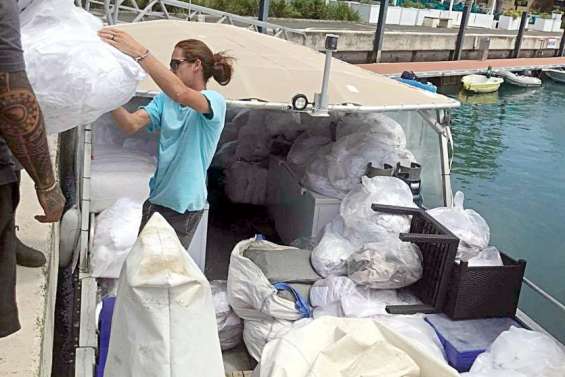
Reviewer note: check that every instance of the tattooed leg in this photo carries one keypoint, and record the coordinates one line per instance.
(21, 125)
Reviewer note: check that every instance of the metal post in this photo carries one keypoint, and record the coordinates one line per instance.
(518, 45)
(461, 34)
(322, 98)
(264, 6)
(380, 32)
(561, 45)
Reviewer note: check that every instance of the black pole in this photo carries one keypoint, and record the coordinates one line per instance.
(561, 45)
(461, 34)
(264, 6)
(380, 32)
(520, 36)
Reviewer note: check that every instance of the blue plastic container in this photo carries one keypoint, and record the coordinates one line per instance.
(105, 327)
(463, 341)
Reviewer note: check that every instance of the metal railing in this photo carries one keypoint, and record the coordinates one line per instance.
(116, 11)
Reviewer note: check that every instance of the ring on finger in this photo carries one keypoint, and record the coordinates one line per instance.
(113, 36)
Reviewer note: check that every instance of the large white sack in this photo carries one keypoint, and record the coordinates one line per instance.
(387, 264)
(336, 347)
(250, 293)
(256, 334)
(364, 224)
(525, 352)
(75, 76)
(114, 235)
(418, 331)
(386, 129)
(164, 322)
(246, 183)
(230, 326)
(471, 229)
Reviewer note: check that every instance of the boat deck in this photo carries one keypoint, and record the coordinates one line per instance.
(463, 67)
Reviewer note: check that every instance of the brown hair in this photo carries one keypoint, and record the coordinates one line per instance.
(219, 66)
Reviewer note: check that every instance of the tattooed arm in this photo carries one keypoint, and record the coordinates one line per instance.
(21, 125)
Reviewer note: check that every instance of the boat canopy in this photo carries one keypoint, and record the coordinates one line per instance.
(270, 71)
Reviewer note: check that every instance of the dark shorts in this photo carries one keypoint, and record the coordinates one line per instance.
(9, 199)
(184, 224)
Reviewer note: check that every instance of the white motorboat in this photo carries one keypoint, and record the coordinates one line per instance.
(519, 80)
(555, 74)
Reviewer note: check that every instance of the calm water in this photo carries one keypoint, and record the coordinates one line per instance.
(510, 163)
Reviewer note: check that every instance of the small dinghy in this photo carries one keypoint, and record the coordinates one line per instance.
(519, 80)
(481, 83)
(555, 74)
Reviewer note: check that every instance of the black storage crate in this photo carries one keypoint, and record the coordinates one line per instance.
(482, 292)
(439, 248)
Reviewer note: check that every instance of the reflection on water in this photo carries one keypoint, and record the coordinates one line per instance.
(509, 160)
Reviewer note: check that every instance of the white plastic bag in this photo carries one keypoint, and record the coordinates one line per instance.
(487, 257)
(316, 175)
(364, 224)
(351, 154)
(118, 172)
(283, 123)
(115, 234)
(75, 76)
(471, 229)
(305, 147)
(254, 141)
(246, 183)
(530, 353)
(164, 322)
(250, 293)
(386, 129)
(230, 327)
(330, 256)
(388, 264)
(225, 155)
(339, 296)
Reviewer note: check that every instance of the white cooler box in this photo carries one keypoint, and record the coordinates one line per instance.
(297, 211)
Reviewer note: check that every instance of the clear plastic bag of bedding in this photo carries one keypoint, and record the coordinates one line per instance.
(384, 128)
(75, 76)
(389, 264)
(471, 229)
(521, 352)
(351, 154)
(362, 223)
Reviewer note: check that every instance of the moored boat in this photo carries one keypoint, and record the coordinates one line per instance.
(481, 83)
(519, 80)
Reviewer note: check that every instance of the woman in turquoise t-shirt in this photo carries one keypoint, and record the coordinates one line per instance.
(189, 119)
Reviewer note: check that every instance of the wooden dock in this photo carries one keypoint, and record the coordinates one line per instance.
(463, 67)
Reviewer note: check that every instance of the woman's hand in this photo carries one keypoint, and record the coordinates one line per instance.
(122, 41)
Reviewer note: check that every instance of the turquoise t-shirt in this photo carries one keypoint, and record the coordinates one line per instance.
(187, 143)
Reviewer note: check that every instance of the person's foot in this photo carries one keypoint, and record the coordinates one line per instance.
(27, 256)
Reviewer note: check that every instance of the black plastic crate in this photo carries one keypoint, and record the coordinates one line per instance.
(483, 292)
(439, 248)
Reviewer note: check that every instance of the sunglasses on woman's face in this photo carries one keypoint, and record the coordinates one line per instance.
(175, 63)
